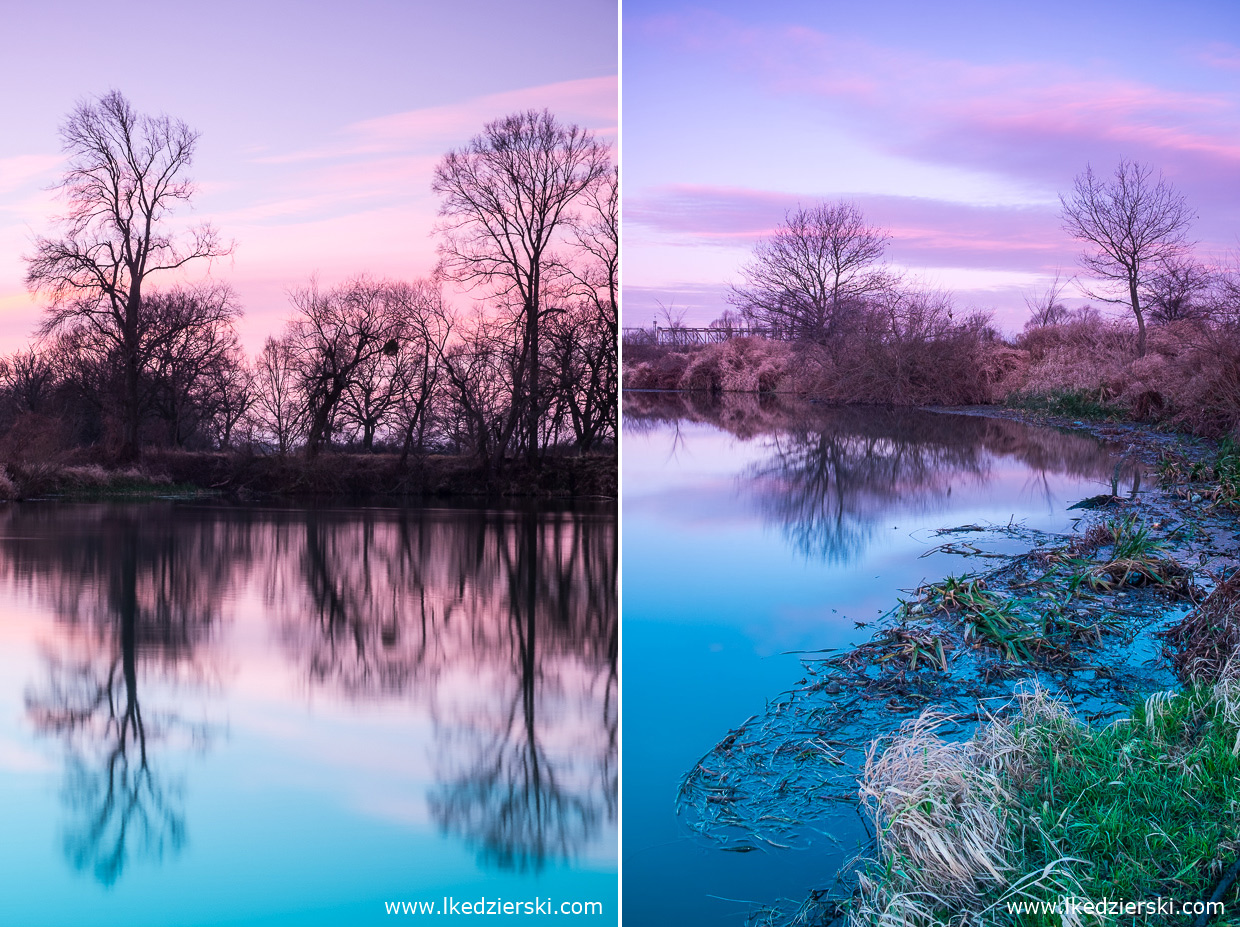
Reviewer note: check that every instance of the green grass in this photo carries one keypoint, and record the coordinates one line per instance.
(1217, 480)
(1074, 404)
(1144, 808)
(988, 618)
(1151, 806)
(1131, 539)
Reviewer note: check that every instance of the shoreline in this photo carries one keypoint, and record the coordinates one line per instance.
(358, 478)
(901, 673)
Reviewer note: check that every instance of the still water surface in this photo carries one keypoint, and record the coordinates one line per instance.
(752, 530)
(240, 716)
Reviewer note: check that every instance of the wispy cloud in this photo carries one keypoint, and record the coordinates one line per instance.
(590, 102)
(1038, 120)
(22, 171)
(924, 231)
(1221, 55)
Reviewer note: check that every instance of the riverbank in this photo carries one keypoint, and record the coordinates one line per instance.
(249, 477)
(1089, 617)
(1188, 381)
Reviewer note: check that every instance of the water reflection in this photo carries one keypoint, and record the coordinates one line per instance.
(135, 602)
(829, 474)
(500, 628)
(509, 792)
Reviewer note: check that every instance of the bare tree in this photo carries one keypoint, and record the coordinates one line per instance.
(126, 175)
(428, 324)
(334, 335)
(506, 196)
(278, 409)
(1224, 295)
(816, 267)
(189, 348)
(480, 368)
(1178, 290)
(226, 394)
(1044, 307)
(583, 336)
(1132, 225)
(27, 379)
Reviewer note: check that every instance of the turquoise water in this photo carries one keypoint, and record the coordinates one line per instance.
(231, 716)
(752, 532)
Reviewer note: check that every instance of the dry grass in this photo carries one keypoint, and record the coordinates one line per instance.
(938, 813)
(949, 842)
(1016, 746)
(1204, 646)
(1190, 377)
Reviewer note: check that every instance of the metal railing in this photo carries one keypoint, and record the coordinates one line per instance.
(681, 337)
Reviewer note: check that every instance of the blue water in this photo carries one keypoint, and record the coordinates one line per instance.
(779, 535)
(339, 709)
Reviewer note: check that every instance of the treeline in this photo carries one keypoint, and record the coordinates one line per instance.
(835, 322)
(125, 362)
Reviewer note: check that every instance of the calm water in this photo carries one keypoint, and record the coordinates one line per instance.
(752, 530)
(220, 716)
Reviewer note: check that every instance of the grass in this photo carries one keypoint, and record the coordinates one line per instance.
(988, 618)
(1131, 556)
(1216, 481)
(1150, 806)
(1038, 805)
(1035, 621)
(1068, 403)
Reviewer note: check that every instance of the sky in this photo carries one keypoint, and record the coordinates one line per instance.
(953, 126)
(320, 123)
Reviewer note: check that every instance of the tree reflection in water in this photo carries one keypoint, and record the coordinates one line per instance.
(499, 626)
(830, 473)
(134, 594)
(520, 802)
(507, 623)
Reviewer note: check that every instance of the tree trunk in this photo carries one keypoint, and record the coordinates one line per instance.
(131, 413)
(1136, 310)
(531, 412)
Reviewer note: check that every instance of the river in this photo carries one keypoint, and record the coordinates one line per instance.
(244, 716)
(756, 532)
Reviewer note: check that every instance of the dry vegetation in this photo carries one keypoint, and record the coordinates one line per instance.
(1084, 368)
(1038, 807)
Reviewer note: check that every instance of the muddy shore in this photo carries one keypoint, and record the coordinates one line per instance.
(1078, 614)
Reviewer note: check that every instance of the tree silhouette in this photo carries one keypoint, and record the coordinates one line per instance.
(126, 174)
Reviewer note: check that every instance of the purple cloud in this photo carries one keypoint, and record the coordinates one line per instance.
(924, 232)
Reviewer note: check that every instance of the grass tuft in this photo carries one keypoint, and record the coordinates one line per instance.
(1145, 807)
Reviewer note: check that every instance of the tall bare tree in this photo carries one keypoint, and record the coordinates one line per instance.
(506, 196)
(1132, 225)
(817, 266)
(126, 175)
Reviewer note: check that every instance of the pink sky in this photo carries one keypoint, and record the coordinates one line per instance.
(953, 128)
(320, 128)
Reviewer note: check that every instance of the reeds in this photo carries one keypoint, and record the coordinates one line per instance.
(1038, 806)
